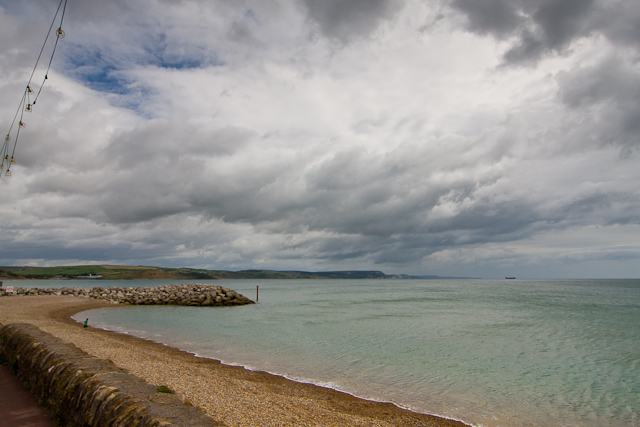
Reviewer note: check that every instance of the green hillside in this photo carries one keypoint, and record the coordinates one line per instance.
(124, 272)
(115, 272)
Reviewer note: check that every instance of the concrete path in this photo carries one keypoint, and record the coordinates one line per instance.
(18, 407)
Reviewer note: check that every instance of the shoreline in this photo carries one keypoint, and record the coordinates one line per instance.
(231, 394)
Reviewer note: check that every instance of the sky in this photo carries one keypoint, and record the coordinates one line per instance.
(478, 138)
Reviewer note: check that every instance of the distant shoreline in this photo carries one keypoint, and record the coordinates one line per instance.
(123, 272)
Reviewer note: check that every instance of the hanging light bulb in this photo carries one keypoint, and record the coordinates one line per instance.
(60, 33)
(8, 172)
(22, 124)
(28, 108)
(29, 89)
(12, 160)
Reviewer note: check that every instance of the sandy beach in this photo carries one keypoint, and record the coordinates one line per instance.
(229, 394)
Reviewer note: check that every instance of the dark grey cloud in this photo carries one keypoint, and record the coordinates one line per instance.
(389, 200)
(161, 171)
(606, 96)
(537, 28)
(619, 20)
(344, 20)
(91, 251)
(162, 142)
(610, 80)
(496, 17)
(560, 21)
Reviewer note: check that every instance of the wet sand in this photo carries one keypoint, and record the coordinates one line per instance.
(232, 395)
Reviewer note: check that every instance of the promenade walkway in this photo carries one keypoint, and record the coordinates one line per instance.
(18, 407)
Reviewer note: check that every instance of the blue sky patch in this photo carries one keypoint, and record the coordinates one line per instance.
(96, 71)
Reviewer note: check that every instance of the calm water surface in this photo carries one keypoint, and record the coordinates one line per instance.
(488, 352)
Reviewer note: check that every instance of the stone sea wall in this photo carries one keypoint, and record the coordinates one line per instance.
(193, 294)
(84, 391)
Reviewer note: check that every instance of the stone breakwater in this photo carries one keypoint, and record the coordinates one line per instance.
(84, 391)
(193, 294)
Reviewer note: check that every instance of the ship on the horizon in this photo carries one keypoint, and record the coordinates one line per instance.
(510, 277)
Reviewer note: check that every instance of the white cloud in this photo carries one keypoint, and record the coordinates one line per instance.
(275, 135)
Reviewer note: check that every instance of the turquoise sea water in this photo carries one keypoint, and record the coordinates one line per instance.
(488, 352)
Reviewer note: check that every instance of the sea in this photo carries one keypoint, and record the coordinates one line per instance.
(487, 352)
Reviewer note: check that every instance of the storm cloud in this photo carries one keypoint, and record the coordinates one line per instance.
(451, 137)
(538, 28)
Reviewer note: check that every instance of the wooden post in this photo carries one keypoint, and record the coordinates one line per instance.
(257, 292)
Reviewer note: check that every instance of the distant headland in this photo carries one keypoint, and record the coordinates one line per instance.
(123, 272)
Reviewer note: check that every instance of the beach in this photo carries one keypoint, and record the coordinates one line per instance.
(232, 395)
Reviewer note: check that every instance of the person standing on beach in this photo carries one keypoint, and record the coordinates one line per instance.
(86, 322)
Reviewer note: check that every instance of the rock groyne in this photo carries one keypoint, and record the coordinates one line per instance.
(82, 390)
(192, 294)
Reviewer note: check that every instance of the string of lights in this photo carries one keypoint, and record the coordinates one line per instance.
(29, 96)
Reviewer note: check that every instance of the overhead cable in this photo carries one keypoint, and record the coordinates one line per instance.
(25, 104)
